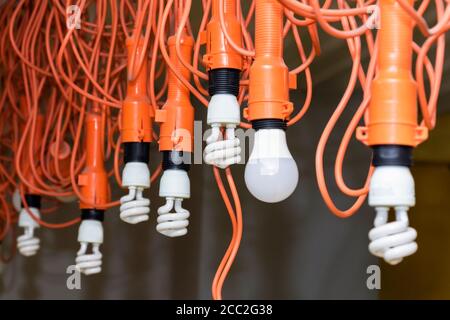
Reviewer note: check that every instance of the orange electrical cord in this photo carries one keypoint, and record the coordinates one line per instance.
(236, 221)
(122, 65)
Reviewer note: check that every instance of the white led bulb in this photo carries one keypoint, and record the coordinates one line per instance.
(271, 174)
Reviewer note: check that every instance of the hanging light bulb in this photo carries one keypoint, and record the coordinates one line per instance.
(392, 186)
(27, 243)
(93, 182)
(90, 233)
(271, 174)
(176, 144)
(174, 187)
(136, 134)
(393, 132)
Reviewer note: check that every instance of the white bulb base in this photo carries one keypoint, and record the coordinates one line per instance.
(175, 184)
(136, 174)
(26, 221)
(392, 186)
(90, 231)
(223, 109)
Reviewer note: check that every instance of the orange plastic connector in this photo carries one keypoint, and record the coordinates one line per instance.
(269, 76)
(393, 107)
(177, 114)
(137, 113)
(219, 54)
(93, 181)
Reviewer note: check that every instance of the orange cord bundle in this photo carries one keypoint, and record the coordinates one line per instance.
(118, 71)
(377, 48)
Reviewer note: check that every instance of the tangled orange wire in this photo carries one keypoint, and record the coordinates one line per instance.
(53, 74)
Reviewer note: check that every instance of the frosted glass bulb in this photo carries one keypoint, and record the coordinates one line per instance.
(271, 174)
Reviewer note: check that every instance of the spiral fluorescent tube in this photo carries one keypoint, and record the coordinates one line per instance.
(172, 217)
(134, 206)
(27, 243)
(90, 233)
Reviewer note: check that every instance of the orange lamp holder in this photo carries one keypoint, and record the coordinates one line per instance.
(269, 76)
(137, 113)
(392, 112)
(177, 114)
(93, 181)
(219, 53)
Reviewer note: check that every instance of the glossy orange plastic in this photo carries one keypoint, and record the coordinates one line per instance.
(177, 114)
(93, 181)
(219, 54)
(137, 113)
(269, 76)
(393, 108)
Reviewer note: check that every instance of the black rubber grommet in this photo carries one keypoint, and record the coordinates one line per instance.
(392, 155)
(92, 214)
(176, 160)
(33, 201)
(224, 81)
(269, 124)
(136, 152)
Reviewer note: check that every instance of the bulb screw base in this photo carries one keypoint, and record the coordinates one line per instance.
(269, 124)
